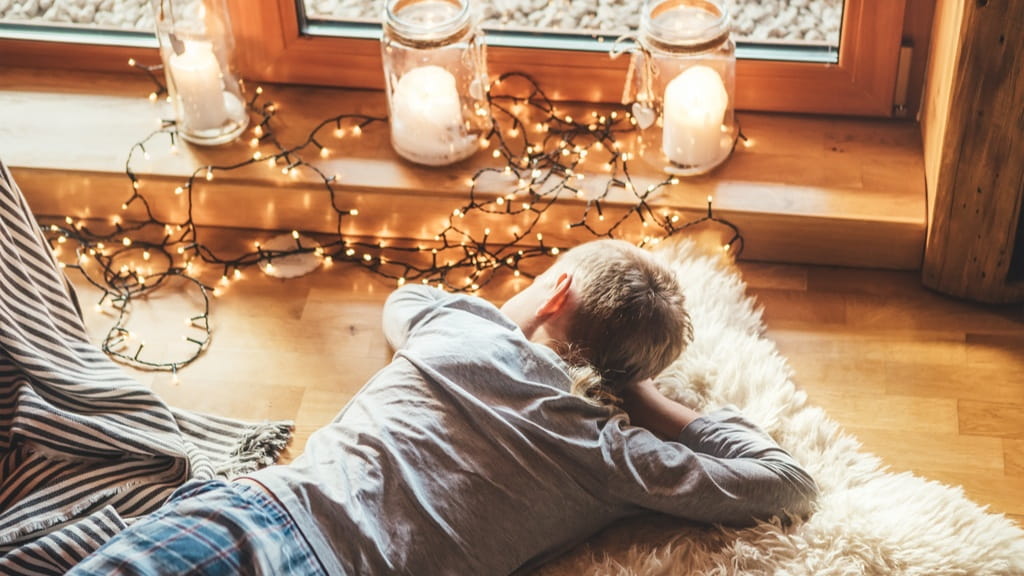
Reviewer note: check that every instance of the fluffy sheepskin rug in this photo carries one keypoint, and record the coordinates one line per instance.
(868, 521)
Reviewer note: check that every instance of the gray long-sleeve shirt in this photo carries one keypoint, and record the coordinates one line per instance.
(468, 455)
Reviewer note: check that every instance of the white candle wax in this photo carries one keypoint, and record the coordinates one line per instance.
(199, 86)
(695, 104)
(426, 118)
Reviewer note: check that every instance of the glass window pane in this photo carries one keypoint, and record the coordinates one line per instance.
(118, 22)
(802, 30)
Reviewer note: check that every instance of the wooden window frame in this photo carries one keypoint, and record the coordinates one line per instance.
(273, 50)
(270, 48)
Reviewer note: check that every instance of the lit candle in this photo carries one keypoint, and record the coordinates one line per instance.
(198, 83)
(426, 118)
(695, 104)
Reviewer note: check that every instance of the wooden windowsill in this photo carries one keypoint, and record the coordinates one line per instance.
(812, 190)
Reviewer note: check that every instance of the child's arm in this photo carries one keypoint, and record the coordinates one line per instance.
(649, 408)
(732, 473)
(744, 472)
(404, 308)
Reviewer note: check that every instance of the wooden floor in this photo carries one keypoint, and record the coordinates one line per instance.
(931, 384)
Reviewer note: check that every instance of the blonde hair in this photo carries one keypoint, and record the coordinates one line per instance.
(629, 322)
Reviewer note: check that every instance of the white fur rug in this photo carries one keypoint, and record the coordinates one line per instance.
(869, 521)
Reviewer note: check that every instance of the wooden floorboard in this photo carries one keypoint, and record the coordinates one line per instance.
(933, 385)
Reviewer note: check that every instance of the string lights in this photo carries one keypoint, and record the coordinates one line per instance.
(543, 158)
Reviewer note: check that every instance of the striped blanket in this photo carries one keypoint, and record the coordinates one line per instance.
(83, 447)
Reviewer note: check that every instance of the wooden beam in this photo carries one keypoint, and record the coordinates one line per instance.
(977, 179)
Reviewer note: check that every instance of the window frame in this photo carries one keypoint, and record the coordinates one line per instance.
(70, 52)
(271, 49)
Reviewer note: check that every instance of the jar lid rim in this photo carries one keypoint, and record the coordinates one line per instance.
(414, 29)
(715, 29)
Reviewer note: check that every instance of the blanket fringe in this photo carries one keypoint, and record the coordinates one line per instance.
(261, 445)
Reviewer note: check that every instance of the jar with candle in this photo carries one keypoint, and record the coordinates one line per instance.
(196, 48)
(685, 72)
(436, 73)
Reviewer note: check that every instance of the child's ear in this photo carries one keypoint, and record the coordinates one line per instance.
(558, 297)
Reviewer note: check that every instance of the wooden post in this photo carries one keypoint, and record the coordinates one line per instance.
(977, 179)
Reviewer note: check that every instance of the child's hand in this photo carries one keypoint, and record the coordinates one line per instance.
(649, 408)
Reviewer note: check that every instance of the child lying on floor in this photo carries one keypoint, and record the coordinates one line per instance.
(495, 440)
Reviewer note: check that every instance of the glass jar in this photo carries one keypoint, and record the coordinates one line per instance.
(685, 69)
(436, 73)
(196, 46)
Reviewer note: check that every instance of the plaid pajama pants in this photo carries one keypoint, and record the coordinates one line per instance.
(208, 527)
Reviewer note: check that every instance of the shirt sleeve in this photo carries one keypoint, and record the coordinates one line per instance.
(407, 307)
(728, 471)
